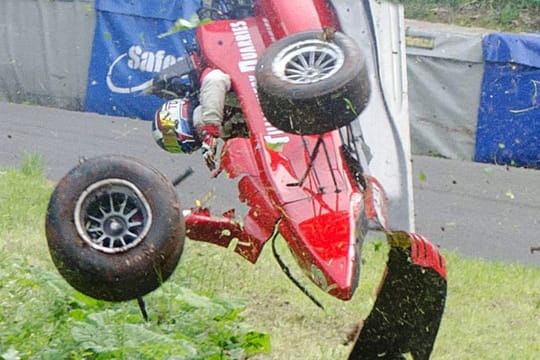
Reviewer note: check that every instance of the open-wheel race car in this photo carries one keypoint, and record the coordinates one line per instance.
(323, 157)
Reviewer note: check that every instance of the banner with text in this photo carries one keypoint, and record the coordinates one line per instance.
(128, 51)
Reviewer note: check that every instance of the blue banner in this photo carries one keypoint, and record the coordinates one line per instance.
(508, 130)
(128, 51)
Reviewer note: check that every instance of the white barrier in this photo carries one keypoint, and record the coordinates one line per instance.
(444, 66)
(45, 51)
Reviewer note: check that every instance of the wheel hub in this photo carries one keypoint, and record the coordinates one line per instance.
(115, 226)
(112, 216)
(308, 61)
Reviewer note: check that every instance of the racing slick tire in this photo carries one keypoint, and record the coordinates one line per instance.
(114, 227)
(312, 82)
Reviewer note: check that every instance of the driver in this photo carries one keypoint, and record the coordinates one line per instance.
(186, 124)
(208, 116)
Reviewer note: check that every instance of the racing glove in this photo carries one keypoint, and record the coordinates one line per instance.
(209, 135)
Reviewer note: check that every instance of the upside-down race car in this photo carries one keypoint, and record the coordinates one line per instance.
(324, 157)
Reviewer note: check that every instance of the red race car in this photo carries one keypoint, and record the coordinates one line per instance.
(323, 157)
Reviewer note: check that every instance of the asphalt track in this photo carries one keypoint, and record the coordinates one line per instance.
(480, 210)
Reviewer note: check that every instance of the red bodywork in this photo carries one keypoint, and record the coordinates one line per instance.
(318, 219)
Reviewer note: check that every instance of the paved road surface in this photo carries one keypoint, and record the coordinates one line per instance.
(480, 210)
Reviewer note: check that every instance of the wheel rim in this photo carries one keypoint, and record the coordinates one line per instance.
(308, 61)
(112, 216)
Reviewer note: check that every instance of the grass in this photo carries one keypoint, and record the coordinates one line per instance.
(493, 309)
(43, 318)
(502, 15)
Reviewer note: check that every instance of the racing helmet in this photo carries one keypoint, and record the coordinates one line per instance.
(172, 127)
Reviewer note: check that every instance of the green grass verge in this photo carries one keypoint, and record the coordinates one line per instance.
(42, 317)
(502, 15)
(218, 305)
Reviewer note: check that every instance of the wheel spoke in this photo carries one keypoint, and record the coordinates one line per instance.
(295, 65)
(95, 230)
(312, 59)
(132, 224)
(119, 239)
(129, 233)
(303, 61)
(111, 203)
(96, 219)
(293, 73)
(328, 66)
(131, 213)
(123, 204)
(111, 243)
(101, 239)
(103, 212)
(320, 59)
(299, 77)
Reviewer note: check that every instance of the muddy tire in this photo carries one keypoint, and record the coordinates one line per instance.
(307, 85)
(114, 228)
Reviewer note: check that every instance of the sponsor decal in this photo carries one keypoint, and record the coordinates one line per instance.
(245, 45)
(269, 30)
(274, 137)
(421, 42)
(138, 61)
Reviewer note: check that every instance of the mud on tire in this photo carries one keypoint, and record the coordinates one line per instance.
(114, 228)
(311, 85)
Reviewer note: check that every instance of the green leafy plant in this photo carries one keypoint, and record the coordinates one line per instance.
(183, 24)
(42, 317)
(47, 319)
